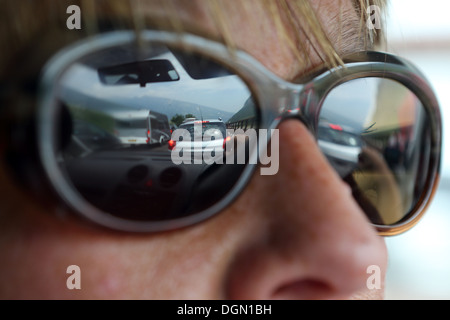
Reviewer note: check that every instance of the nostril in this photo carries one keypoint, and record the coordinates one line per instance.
(307, 289)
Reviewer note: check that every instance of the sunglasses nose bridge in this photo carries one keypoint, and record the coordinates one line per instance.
(298, 102)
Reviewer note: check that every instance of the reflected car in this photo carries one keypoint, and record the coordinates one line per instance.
(341, 147)
(205, 137)
(142, 127)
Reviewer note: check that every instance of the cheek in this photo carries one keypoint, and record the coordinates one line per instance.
(37, 251)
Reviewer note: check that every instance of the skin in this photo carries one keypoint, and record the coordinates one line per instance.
(295, 235)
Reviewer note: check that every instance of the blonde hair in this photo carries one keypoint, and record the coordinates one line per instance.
(300, 15)
(23, 23)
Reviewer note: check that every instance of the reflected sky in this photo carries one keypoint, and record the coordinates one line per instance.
(222, 96)
(356, 115)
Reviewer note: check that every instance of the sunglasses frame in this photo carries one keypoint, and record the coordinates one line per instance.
(277, 100)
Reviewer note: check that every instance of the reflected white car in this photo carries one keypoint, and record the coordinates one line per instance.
(342, 148)
(201, 138)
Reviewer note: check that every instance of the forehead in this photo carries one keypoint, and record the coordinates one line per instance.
(268, 30)
(283, 35)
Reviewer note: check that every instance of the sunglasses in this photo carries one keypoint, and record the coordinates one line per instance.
(115, 109)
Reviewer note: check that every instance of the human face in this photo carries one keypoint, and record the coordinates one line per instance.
(268, 244)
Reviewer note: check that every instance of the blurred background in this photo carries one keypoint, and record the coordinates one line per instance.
(419, 266)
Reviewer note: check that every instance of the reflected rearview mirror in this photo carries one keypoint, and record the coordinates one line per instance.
(139, 72)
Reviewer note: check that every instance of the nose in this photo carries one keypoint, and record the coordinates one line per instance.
(312, 241)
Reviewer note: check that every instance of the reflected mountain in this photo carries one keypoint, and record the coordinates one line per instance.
(170, 107)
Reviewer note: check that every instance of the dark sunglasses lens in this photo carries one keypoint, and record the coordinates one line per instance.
(375, 132)
(145, 133)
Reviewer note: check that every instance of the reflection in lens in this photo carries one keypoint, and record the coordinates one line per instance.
(374, 133)
(122, 111)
